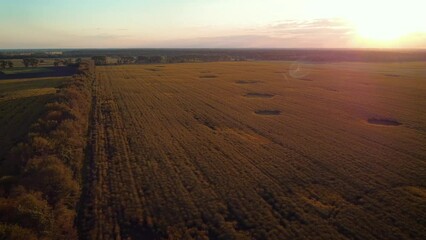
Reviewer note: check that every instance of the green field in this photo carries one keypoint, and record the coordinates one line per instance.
(18, 70)
(21, 102)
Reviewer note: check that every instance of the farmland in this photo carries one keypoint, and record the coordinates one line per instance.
(21, 103)
(18, 70)
(256, 150)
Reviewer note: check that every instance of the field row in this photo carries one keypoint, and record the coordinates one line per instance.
(256, 151)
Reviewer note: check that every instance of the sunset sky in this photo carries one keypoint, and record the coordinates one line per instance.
(212, 23)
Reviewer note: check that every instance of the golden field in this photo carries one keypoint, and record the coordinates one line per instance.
(257, 150)
(21, 103)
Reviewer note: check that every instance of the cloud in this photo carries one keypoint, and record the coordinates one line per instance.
(106, 36)
(317, 29)
(314, 33)
(325, 23)
(317, 33)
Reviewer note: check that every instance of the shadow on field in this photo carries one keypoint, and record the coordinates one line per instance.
(208, 76)
(153, 69)
(383, 121)
(268, 112)
(305, 79)
(258, 95)
(392, 75)
(246, 82)
(50, 72)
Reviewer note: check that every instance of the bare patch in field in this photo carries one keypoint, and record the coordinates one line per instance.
(383, 122)
(152, 69)
(208, 76)
(268, 112)
(160, 66)
(246, 81)
(258, 95)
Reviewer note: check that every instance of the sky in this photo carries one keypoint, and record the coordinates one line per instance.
(212, 24)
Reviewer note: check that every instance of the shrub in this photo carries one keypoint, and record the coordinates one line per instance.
(51, 177)
(29, 211)
(15, 232)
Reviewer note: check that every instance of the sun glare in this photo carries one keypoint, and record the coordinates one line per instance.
(378, 31)
(386, 23)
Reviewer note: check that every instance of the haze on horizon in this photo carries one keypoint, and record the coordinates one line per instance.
(212, 24)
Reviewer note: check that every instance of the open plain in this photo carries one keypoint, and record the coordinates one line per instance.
(256, 150)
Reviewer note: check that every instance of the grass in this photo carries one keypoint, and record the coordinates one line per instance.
(18, 70)
(173, 155)
(21, 103)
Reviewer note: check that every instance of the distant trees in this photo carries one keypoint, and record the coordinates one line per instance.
(86, 67)
(33, 62)
(100, 60)
(151, 59)
(185, 58)
(66, 62)
(4, 64)
(157, 59)
(126, 60)
(199, 58)
(26, 62)
(142, 59)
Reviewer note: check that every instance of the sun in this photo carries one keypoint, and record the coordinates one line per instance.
(389, 22)
(380, 31)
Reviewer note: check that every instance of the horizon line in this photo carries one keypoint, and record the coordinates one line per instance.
(215, 48)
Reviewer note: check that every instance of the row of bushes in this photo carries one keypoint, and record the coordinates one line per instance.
(40, 177)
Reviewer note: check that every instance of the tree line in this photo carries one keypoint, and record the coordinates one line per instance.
(33, 62)
(40, 177)
(67, 62)
(4, 64)
(157, 59)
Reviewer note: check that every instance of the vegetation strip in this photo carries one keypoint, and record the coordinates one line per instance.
(41, 176)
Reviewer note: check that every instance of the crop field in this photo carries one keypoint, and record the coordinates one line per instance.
(257, 150)
(18, 70)
(21, 102)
